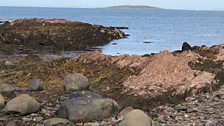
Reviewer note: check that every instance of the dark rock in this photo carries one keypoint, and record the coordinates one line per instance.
(35, 85)
(87, 109)
(75, 82)
(186, 46)
(84, 94)
(147, 42)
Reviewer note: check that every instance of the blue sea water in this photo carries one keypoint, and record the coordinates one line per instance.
(150, 31)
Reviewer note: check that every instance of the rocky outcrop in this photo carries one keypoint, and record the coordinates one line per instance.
(54, 34)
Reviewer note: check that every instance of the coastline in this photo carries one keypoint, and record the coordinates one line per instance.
(162, 84)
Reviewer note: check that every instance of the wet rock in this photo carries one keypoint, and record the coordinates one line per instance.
(84, 94)
(87, 109)
(35, 85)
(58, 122)
(6, 89)
(75, 82)
(2, 102)
(11, 123)
(136, 118)
(23, 104)
(186, 46)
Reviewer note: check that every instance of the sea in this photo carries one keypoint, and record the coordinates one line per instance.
(151, 31)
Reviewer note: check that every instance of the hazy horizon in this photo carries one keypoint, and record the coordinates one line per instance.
(170, 4)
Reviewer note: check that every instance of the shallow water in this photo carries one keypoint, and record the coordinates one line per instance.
(150, 31)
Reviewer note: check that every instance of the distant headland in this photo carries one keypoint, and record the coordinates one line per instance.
(135, 7)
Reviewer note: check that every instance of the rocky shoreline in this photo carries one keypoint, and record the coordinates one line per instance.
(182, 88)
(179, 88)
(36, 35)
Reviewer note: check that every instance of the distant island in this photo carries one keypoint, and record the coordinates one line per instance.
(135, 7)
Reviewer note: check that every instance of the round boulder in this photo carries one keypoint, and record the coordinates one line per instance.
(75, 82)
(35, 85)
(23, 104)
(136, 118)
(87, 109)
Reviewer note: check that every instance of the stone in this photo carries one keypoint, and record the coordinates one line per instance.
(6, 89)
(57, 122)
(84, 94)
(136, 118)
(186, 46)
(9, 63)
(87, 109)
(125, 111)
(23, 104)
(11, 123)
(2, 102)
(75, 82)
(35, 85)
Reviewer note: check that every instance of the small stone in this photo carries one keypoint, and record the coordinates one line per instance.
(38, 119)
(94, 124)
(2, 102)
(35, 85)
(75, 82)
(27, 119)
(23, 104)
(6, 89)
(56, 121)
(9, 63)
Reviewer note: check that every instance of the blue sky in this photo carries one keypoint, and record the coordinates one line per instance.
(169, 4)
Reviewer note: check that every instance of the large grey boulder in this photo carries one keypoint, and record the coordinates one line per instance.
(6, 89)
(2, 102)
(58, 122)
(87, 109)
(75, 82)
(35, 85)
(23, 104)
(135, 118)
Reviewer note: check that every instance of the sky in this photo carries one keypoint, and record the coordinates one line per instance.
(167, 4)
